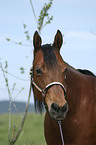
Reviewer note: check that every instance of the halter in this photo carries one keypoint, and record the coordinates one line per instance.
(43, 91)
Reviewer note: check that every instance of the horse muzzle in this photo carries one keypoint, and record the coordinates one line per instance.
(58, 113)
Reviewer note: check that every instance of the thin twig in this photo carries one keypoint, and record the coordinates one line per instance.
(17, 110)
(9, 93)
(9, 117)
(12, 142)
(34, 12)
(18, 43)
(15, 76)
(15, 104)
(93, 33)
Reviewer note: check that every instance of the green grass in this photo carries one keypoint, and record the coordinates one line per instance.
(32, 133)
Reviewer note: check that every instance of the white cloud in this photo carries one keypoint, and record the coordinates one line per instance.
(79, 34)
(80, 39)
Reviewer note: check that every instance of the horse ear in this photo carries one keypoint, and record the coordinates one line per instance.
(58, 40)
(37, 41)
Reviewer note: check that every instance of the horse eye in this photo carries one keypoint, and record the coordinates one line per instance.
(38, 71)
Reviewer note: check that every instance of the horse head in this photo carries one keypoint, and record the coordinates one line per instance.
(48, 76)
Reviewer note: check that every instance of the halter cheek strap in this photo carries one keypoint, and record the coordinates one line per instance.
(36, 86)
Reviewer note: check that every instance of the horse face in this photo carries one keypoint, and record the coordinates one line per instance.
(49, 67)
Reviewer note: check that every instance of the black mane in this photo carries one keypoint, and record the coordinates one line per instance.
(86, 72)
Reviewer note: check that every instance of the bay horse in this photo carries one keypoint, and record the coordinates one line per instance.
(68, 94)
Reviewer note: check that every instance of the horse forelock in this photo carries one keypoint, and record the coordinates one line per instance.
(49, 55)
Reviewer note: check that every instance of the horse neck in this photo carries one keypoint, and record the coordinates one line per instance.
(73, 86)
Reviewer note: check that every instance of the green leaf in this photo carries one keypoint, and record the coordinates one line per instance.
(6, 80)
(22, 70)
(20, 43)
(8, 39)
(26, 32)
(24, 25)
(28, 37)
(6, 65)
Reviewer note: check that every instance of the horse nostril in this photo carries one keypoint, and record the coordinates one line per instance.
(65, 108)
(55, 107)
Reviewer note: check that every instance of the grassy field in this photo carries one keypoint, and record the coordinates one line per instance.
(32, 133)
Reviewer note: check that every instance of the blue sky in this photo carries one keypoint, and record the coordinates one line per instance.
(76, 19)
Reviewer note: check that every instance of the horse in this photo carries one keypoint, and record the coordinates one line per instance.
(67, 94)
